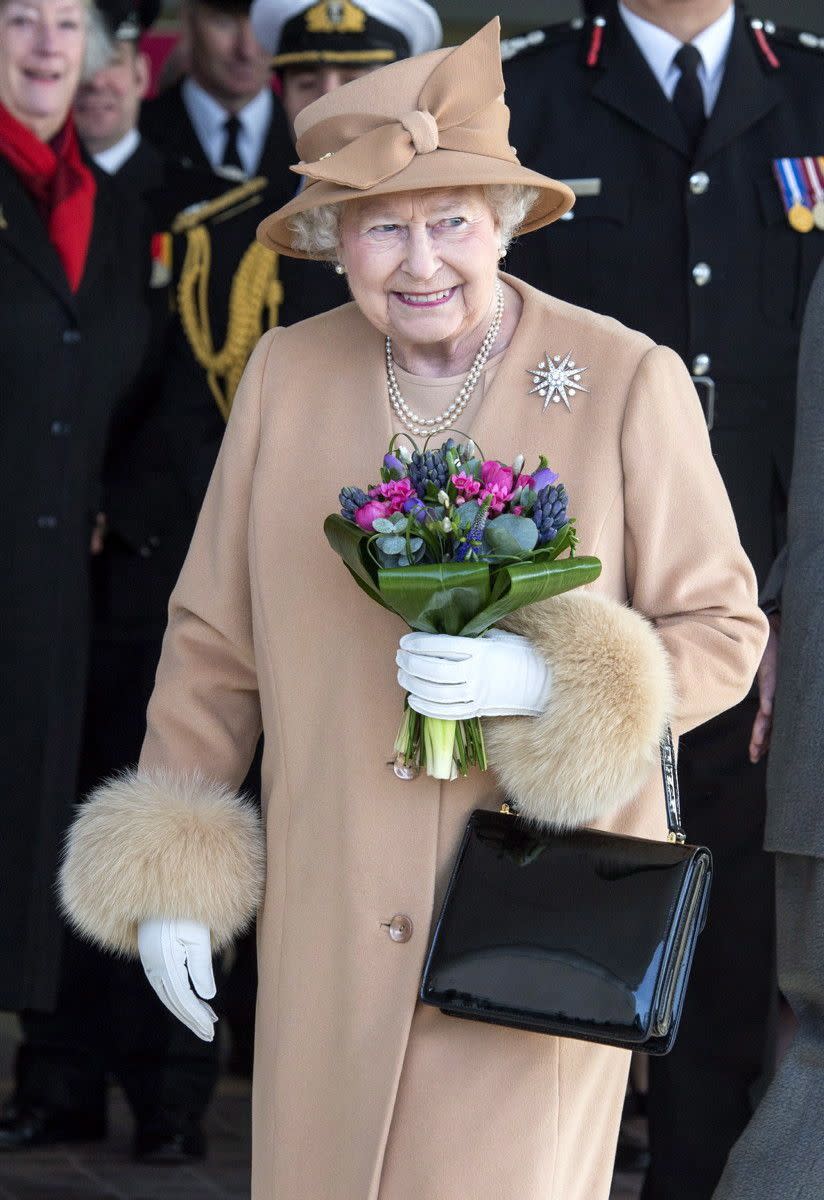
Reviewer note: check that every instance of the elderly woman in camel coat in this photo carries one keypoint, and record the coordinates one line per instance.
(360, 1093)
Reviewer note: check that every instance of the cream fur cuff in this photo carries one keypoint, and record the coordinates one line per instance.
(591, 751)
(161, 844)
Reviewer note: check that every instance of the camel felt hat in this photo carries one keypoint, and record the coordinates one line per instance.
(434, 121)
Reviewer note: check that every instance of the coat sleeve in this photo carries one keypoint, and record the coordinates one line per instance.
(687, 649)
(172, 837)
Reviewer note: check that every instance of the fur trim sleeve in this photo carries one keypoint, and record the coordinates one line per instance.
(592, 749)
(161, 843)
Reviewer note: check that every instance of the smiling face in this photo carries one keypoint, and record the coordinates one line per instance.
(226, 58)
(42, 44)
(108, 104)
(422, 266)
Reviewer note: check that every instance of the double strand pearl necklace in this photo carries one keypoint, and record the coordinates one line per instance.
(423, 426)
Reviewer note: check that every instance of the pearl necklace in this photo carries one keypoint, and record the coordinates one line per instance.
(423, 426)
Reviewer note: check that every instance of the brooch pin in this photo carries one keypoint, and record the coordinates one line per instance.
(556, 379)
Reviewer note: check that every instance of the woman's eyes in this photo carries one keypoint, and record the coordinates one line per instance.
(447, 224)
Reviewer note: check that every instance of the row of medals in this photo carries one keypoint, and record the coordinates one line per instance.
(807, 213)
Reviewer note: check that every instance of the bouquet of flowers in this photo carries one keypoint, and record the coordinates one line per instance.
(453, 542)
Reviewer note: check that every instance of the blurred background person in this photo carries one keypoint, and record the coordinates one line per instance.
(674, 120)
(780, 1153)
(222, 114)
(107, 106)
(74, 320)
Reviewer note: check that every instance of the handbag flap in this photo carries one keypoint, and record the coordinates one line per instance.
(570, 927)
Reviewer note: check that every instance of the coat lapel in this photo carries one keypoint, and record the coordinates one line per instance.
(23, 231)
(627, 85)
(746, 95)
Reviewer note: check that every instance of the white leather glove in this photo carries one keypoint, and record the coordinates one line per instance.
(454, 678)
(177, 958)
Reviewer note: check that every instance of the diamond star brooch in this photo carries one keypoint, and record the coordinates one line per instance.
(556, 379)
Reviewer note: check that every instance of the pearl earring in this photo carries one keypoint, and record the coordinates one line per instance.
(340, 269)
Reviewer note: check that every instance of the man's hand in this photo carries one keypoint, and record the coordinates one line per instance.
(767, 678)
(98, 534)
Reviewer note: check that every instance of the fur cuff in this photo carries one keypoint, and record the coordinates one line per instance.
(158, 843)
(594, 747)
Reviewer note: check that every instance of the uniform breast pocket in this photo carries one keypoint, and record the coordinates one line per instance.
(573, 257)
(783, 254)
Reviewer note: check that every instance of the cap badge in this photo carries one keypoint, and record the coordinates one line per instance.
(335, 16)
(556, 379)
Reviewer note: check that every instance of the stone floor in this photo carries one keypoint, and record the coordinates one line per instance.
(104, 1170)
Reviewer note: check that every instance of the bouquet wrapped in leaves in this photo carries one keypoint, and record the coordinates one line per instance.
(452, 543)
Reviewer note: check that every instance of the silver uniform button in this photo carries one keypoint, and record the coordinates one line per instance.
(701, 364)
(699, 182)
(701, 273)
(400, 928)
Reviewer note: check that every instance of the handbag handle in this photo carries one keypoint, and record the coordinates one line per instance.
(672, 795)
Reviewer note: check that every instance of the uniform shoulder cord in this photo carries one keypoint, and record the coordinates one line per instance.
(256, 292)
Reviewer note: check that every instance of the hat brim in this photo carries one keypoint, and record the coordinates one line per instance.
(426, 172)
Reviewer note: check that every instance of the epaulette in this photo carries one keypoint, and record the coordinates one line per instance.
(235, 200)
(770, 39)
(538, 39)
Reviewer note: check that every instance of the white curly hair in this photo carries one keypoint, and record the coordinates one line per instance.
(317, 230)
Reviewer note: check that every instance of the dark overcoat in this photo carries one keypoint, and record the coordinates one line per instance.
(695, 251)
(65, 362)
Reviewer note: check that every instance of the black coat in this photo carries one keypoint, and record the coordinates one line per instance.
(65, 362)
(630, 251)
(165, 122)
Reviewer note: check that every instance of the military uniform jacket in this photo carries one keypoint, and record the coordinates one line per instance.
(694, 251)
(65, 362)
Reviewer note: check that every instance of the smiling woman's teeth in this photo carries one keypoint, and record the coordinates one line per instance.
(425, 298)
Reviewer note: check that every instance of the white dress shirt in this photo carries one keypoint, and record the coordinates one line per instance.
(209, 121)
(112, 160)
(659, 49)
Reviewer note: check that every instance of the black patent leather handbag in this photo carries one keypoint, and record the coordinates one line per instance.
(585, 934)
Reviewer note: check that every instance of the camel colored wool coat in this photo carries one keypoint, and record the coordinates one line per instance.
(360, 1093)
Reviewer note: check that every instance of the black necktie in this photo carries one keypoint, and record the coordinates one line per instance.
(688, 99)
(231, 158)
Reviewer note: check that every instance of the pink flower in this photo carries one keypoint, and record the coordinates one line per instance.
(497, 484)
(396, 492)
(369, 513)
(465, 486)
(516, 510)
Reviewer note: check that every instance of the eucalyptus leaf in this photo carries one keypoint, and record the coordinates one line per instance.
(392, 545)
(465, 514)
(383, 525)
(511, 536)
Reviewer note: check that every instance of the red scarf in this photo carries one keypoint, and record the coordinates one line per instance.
(62, 186)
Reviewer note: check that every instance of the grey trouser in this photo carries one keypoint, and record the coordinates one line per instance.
(780, 1155)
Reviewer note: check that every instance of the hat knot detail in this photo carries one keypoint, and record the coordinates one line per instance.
(423, 129)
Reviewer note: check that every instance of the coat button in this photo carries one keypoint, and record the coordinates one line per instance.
(700, 364)
(699, 182)
(71, 336)
(400, 928)
(701, 273)
(60, 428)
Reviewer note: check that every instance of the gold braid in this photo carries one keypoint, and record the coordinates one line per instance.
(255, 289)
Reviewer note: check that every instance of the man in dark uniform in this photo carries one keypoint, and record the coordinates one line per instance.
(669, 119)
(223, 114)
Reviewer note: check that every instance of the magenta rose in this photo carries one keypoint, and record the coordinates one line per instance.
(369, 513)
(396, 493)
(496, 482)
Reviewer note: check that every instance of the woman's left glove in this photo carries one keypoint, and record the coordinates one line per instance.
(177, 958)
(456, 678)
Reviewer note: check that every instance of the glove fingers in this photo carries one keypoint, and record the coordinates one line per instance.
(199, 962)
(439, 645)
(437, 670)
(200, 1025)
(440, 693)
(194, 1012)
(444, 712)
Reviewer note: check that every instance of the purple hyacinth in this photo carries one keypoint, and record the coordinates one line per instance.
(550, 512)
(350, 500)
(474, 543)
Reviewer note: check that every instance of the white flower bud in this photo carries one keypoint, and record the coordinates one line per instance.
(446, 525)
(404, 455)
(518, 465)
(443, 499)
